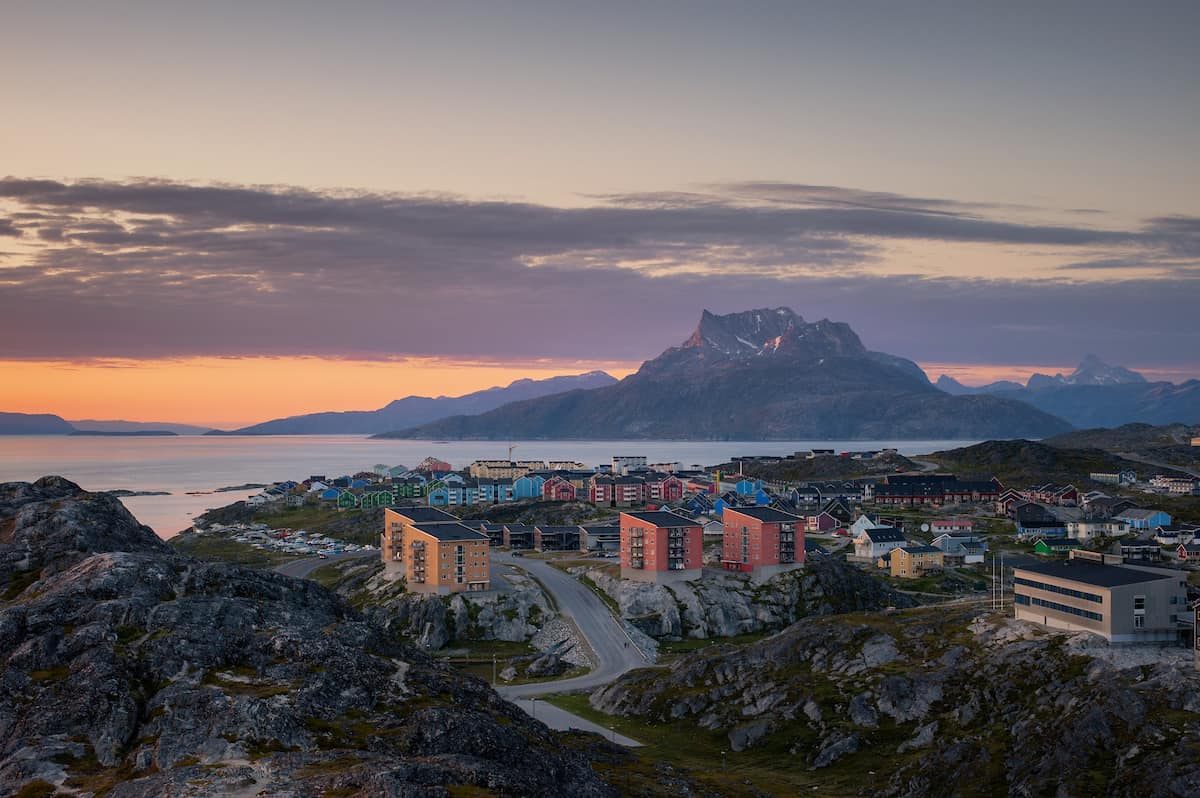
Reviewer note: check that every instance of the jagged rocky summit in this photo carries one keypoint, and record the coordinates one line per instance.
(130, 670)
(755, 375)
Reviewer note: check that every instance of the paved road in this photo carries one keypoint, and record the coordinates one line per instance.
(595, 621)
(302, 568)
(562, 720)
(1155, 463)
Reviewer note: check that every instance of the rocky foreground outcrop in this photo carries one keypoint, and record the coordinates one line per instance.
(731, 604)
(130, 670)
(939, 701)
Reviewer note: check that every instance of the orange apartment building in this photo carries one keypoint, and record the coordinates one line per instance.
(761, 540)
(659, 546)
(433, 551)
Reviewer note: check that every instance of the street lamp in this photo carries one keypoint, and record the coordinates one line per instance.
(533, 708)
(722, 761)
(493, 670)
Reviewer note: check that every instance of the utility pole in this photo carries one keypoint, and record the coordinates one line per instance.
(493, 670)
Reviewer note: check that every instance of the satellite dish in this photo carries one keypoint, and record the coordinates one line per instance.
(924, 527)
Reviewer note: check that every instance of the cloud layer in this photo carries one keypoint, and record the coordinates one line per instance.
(152, 268)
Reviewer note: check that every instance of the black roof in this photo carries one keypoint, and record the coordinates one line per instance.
(425, 515)
(769, 514)
(884, 534)
(662, 519)
(1092, 573)
(450, 532)
(556, 530)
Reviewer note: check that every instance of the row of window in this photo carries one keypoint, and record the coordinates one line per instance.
(1053, 605)
(1065, 591)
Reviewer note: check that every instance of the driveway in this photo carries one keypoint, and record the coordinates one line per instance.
(615, 653)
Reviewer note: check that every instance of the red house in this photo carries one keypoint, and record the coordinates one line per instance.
(558, 489)
(665, 488)
(601, 490)
(658, 546)
(762, 539)
(822, 522)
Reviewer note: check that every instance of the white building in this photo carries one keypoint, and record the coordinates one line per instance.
(1085, 529)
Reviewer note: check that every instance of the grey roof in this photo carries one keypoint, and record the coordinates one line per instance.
(425, 515)
(1092, 573)
(659, 518)
(450, 532)
(922, 549)
(1138, 513)
(768, 514)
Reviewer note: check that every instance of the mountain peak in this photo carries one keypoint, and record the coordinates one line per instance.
(1094, 371)
(764, 331)
(1091, 371)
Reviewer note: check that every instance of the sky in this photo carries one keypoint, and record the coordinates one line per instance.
(224, 212)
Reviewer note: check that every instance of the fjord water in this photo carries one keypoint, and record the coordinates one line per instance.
(180, 464)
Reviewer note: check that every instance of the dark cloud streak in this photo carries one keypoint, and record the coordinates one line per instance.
(154, 268)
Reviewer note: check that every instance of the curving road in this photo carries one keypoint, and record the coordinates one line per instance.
(302, 568)
(615, 653)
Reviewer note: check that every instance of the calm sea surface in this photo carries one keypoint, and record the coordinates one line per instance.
(197, 463)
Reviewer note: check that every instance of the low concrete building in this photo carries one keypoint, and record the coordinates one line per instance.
(1122, 603)
(600, 537)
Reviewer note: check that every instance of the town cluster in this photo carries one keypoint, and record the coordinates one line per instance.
(666, 512)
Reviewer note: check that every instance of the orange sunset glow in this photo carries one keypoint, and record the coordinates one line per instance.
(231, 392)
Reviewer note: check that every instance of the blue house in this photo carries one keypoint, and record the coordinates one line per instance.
(1144, 519)
(748, 487)
(330, 494)
(528, 486)
(762, 497)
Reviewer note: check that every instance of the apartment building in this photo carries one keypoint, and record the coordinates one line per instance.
(433, 552)
(1122, 603)
(658, 546)
(761, 540)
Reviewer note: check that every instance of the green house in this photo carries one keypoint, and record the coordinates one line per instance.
(377, 498)
(1052, 547)
(347, 500)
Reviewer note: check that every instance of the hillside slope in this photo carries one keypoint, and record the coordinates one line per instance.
(942, 701)
(128, 667)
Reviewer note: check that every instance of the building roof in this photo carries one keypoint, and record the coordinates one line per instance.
(1138, 514)
(659, 518)
(768, 514)
(884, 534)
(425, 515)
(450, 532)
(1092, 573)
(920, 550)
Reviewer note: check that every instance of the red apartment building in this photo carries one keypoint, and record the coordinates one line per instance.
(658, 546)
(762, 540)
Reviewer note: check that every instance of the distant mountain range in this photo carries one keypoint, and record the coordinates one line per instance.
(34, 424)
(50, 424)
(759, 374)
(92, 425)
(414, 410)
(1097, 395)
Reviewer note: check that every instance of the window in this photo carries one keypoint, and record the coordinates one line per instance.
(1051, 605)
(1139, 604)
(1139, 622)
